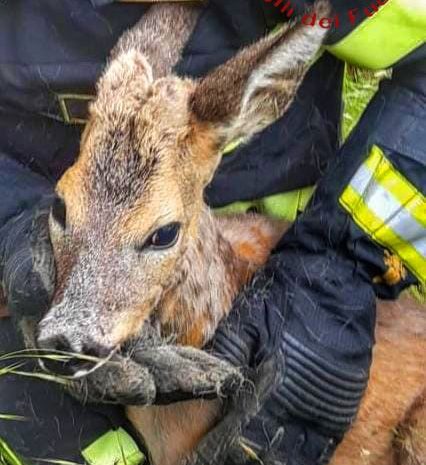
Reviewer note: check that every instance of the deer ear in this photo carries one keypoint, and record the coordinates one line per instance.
(253, 89)
(129, 74)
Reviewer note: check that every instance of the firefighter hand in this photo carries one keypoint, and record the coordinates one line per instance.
(28, 272)
(290, 442)
(306, 365)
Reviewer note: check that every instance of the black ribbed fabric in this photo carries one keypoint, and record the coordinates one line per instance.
(316, 388)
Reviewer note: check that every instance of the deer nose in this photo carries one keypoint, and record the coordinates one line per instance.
(60, 356)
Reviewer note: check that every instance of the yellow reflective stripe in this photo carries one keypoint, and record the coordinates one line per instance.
(380, 41)
(387, 176)
(390, 209)
(381, 233)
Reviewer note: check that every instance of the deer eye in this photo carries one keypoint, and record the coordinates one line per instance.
(58, 211)
(163, 238)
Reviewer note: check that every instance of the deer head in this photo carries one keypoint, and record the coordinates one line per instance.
(129, 209)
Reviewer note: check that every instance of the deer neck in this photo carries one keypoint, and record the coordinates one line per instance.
(211, 274)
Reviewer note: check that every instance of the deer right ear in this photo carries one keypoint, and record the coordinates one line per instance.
(253, 89)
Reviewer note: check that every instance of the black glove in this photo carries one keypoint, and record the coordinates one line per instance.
(310, 319)
(25, 197)
(28, 277)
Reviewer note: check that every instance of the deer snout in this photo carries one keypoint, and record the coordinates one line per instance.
(78, 352)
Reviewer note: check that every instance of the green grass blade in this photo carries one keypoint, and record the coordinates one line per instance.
(7, 456)
(42, 376)
(56, 461)
(10, 368)
(9, 417)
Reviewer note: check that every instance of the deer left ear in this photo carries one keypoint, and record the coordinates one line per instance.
(128, 73)
(252, 90)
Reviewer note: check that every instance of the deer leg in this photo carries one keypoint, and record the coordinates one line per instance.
(181, 373)
(172, 373)
(120, 381)
(410, 439)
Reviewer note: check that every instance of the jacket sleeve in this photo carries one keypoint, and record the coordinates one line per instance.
(21, 190)
(312, 308)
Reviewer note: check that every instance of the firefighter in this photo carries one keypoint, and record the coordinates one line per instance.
(317, 321)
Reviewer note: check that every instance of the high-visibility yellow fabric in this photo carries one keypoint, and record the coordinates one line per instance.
(380, 41)
(285, 206)
(116, 447)
(406, 194)
(386, 206)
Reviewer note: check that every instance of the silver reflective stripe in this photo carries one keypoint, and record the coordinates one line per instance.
(388, 209)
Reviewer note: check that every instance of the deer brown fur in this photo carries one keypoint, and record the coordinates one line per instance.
(151, 146)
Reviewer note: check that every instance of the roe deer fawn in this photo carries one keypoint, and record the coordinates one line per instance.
(134, 241)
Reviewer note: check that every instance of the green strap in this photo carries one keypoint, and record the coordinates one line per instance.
(380, 41)
(116, 447)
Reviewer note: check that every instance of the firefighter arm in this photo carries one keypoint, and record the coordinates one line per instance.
(312, 311)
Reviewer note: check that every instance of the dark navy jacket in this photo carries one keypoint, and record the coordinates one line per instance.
(52, 52)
